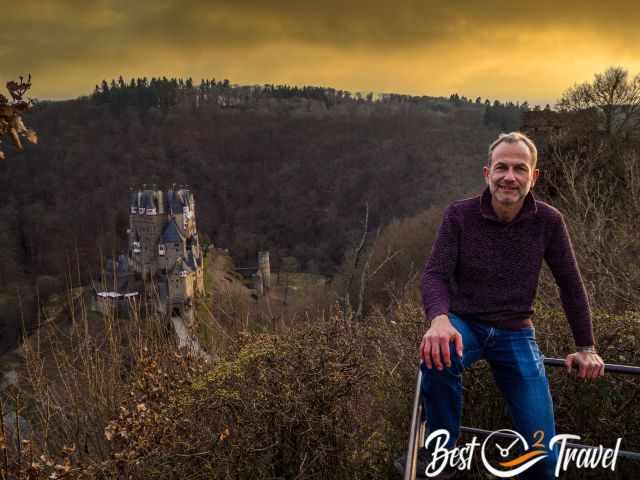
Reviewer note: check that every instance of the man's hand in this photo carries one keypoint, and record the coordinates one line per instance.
(434, 349)
(590, 365)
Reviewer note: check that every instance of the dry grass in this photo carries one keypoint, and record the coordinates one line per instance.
(321, 396)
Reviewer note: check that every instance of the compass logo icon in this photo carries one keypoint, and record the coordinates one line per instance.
(504, 452)
(510, 463)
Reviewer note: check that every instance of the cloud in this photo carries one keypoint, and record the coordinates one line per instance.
(380, 24)
(426, 47)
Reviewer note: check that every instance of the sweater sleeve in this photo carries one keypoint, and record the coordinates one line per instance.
(440, 267)
(561, 259)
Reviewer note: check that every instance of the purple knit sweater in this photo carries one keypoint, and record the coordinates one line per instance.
(487, 270)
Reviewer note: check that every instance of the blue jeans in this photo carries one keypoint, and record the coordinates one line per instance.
(518, 369)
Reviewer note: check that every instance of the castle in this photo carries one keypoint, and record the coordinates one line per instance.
(163, 248)
(543, 125)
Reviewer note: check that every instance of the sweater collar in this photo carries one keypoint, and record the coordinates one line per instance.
(529, 207)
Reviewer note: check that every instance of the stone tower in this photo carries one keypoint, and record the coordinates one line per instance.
(264, 268)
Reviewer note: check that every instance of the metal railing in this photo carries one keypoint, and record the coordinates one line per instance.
(417, 428)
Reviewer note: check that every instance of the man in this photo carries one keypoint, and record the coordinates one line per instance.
(478, 289)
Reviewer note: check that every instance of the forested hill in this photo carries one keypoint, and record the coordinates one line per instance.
(275, 168)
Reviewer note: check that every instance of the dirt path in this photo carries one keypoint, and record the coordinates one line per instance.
(186, 340)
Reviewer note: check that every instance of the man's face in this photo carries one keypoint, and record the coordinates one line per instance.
(510, 176)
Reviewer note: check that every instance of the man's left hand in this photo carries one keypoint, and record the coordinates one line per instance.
(590, 365)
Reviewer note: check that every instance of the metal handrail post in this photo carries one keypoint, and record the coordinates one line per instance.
(415, 431)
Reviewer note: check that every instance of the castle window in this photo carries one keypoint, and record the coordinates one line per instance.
(161, 249)
(151, 211)
(141, 211)
(134, 210)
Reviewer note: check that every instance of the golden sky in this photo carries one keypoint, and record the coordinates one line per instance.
(494, 49)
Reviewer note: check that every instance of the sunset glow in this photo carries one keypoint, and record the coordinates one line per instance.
(526, 51)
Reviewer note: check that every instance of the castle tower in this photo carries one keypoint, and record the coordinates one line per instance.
(146, 222)
(264, 267)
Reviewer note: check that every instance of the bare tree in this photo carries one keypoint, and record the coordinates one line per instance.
(367, 272)
(602, 212)
(613, 94)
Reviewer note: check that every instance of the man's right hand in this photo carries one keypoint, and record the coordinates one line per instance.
(434, 349)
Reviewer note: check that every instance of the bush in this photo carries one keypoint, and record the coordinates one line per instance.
(330, 400)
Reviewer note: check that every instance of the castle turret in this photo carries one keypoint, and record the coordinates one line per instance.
(146, 224)
(264, 267)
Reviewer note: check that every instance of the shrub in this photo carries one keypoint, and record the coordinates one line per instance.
(322, 401)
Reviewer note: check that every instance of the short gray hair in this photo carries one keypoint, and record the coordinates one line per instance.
(515, 137)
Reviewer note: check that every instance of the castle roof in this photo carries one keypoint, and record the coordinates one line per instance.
(118, 265)
(147, 199)
(116, 274)
(172, 233)
(150, 199)
(171, 201)
(182, 265)
(191, 260)
(175, 200)
(186, 265)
